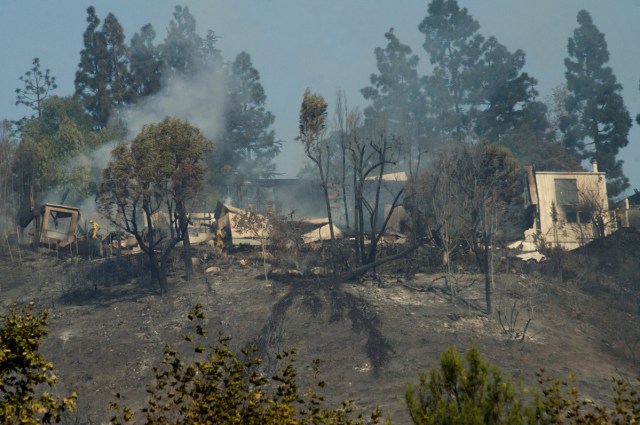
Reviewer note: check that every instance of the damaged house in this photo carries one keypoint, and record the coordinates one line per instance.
(230, 229)
(239, 227)
(54, 225)
(565, 209)
(392, 184)
(291, 197)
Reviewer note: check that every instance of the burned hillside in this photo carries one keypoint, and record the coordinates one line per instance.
(371, 335)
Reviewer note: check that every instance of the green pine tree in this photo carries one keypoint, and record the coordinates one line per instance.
(597, 122)
(101, 79)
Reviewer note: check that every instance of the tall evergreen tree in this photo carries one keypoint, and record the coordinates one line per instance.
(145, 64)
(117, 61)
(183, 51)
(396, 98)
(454, 47)
(249, 140)
(508, 96)
(90, 79)
(101, 79)
(597, 122)
(477, 88)
(181, 48)
(37, 86)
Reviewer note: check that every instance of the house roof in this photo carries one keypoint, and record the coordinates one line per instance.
(399, 176)
(322, 233)
(59, 207)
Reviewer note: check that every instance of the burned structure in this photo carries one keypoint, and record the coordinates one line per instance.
(54, 225)
(230, 229)
(290, 197)
(566, 209)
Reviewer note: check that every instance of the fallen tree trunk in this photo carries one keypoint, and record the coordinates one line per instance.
(360, 271)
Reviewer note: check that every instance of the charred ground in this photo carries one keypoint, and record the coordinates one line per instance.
(108, 327)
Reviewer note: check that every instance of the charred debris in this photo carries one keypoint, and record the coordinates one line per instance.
(270, 222)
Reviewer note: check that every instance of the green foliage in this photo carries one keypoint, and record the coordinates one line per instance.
(454, 46)
(163, 168)
(145, 64)
(8, 148)
(25, 374)
(37, 86)
(312, 123)
(218, 386)
(597, 122)
(44, 158)
(471, 392)
(561, 402)
(184, 52)
(102, 75)
(477, 88)
(397, 102)
(248, 142)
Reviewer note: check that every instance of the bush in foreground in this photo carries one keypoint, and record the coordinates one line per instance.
(473, 391)
(220, 387)
(25, 374)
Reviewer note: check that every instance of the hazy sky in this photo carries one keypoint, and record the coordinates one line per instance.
(323, 45)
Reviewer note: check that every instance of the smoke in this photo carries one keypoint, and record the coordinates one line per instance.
(199, 100)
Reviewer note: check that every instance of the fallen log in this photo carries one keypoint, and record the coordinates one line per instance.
(360, 271)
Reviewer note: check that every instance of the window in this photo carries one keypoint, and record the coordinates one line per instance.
(567, 199)
(566, 191)
(571, 216)
(584, 217)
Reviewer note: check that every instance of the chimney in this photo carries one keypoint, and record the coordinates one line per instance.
(594, 165)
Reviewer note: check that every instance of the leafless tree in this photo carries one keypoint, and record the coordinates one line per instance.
(435, 203)
(343, 120)
(312, 134)
(261, 227)
(593, 208)
(466, 197)
(371, 151)
(487, 177)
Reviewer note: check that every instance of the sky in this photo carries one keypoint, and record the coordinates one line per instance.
(321, 45)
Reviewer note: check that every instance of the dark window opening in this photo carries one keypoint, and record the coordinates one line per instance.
(584, 217)
(566, 191)
(571, 216)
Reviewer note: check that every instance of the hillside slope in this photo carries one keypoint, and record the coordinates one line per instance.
(107, 327)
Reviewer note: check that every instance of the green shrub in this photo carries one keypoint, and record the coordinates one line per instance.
(475, 392)
(220, 387)
(25, 374)
(471, 393)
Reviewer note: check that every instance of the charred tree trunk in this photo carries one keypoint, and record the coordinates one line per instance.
(183, 223)
(360, 271)
(487, 279)
(158, 272)
(325, 187)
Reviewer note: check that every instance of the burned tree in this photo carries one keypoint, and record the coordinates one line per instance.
(487, 178)
(312, 127)
(162, 171)
(435, 203)
(466, 198)
(370, 154)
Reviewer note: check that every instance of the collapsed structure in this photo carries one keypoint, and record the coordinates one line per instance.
(53, 225)
(236, 227)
